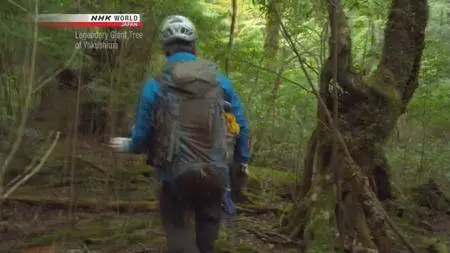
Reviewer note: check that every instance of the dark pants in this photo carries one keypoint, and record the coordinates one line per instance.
(179, 235)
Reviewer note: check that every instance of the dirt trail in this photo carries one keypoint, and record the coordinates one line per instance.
(115, 211)
(133, 232)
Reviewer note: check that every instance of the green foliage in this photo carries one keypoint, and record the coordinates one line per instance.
(280, 123)
(277, 141)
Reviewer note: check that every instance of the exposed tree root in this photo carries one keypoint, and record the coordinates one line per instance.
(274, 238)
(313, 218)
(256, 210)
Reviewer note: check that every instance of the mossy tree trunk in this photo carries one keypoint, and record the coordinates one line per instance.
(272, 62)
(272, 48)
(272, 34)
(367, 113)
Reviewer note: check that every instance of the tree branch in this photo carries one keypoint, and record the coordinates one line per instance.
(403, 46)
(18, 5)
(28, 98)
(41, 84)
(340, 42)
(275, 73)
(231, 38)
(31, 171)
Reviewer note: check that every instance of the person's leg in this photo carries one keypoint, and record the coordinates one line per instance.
(179, 236)
(207, 222)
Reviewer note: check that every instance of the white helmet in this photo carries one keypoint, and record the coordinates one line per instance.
(177, 27)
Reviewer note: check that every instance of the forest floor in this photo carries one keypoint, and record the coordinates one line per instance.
(114, 210)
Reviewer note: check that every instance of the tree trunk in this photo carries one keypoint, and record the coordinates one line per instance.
(272, 34)
(367, 113)
(271, 48)
(274, 66)
(232, 34)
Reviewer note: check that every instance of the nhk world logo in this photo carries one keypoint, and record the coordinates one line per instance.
(90, 20)
(116, 17)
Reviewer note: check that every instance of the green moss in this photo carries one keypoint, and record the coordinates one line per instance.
(277, 176)
(320, 229)
(266, 186)
(224, 245)
(44, 240)
(97, 231)
(434, 244)
(158, 240)
(245, 248)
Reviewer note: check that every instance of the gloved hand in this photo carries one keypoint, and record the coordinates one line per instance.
(120, 144)
(228, 204)
(244, 169)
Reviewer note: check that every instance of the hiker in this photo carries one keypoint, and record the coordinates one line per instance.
(183, 123)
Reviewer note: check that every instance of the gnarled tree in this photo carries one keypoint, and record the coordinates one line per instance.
(367, 111)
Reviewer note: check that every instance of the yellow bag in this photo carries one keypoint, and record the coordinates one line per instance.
(233, 126)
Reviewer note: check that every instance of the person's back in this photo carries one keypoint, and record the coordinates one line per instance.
(189, 135)
(196, 145)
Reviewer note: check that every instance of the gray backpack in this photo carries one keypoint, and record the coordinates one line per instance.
(189, 139)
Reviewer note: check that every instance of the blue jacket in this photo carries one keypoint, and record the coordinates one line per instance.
(150, 93)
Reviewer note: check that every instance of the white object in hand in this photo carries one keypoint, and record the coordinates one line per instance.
(244, 168)
(120, 144)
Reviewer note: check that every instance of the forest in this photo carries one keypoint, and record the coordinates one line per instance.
(348, 103)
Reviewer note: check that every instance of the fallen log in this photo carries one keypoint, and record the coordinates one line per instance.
(87, 205)
(120, 206)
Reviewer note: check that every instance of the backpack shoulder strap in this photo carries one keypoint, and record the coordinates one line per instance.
(163, 77)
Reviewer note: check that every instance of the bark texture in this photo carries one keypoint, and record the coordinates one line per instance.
(272, 34)
(367, 113)
(271, 48)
